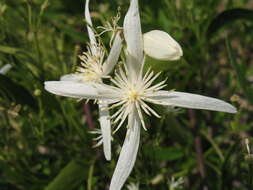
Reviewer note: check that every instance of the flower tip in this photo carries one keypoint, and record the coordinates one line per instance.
(46, 84)
(49, 85)
(228, 108)
(233, 110)
(108, 157)
(160, 45)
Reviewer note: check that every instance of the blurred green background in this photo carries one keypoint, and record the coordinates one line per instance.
(44, 139)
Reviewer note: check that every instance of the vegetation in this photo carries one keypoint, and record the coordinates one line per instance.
(44, 139)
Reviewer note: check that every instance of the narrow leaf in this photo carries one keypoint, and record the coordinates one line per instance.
(70, 177)
(9, 50)
(228, 17)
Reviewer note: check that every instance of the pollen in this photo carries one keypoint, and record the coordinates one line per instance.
(133, 95)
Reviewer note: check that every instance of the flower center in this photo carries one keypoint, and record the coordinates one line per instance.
(91, 63)
(133, 95)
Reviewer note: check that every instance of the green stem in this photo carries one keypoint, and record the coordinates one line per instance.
(90, 175)
(215, 146)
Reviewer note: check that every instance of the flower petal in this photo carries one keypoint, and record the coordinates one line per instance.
(77, 77)
(133, 37)
(105, 129)
(160, 45)
(78, 90)
(194, 101)
(114, 55)
(128, 154)
(88, 20)
(5, 69)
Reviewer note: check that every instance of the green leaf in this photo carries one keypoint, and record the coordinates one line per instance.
(228, 17)
(9, 50)
(164, 154)
(70, 177)
(15, 92)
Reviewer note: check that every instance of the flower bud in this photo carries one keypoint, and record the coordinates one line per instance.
(160, 45)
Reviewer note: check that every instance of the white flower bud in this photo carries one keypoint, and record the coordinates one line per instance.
(160, 45)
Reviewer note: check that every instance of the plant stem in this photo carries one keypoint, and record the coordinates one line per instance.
(198, 148)
(87, 112)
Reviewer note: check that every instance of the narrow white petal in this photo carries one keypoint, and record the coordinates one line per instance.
(75, 77)
(71, 89)
(127, 155)
(160, 45)
(78, 90)
(88, 20)
(133, 37)
(114, 55)
(194, 101)
(5, 69)
(105, 129)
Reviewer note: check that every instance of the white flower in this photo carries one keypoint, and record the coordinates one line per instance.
(5, 69)
(133, 92)
(93, 69)
(160, 45)
(133, 96)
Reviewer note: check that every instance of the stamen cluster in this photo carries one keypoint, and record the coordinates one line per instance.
(134, 94)
(92, 63)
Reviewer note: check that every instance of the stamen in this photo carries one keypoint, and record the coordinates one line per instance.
(122, 120)
(118, 104)
(144, 107)
(91, 63)
(118, 112)
(152, 80)
(111, 27)
(140, 115)
(97, 138)
(146, 74)
(98, 144)
(133, 95)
